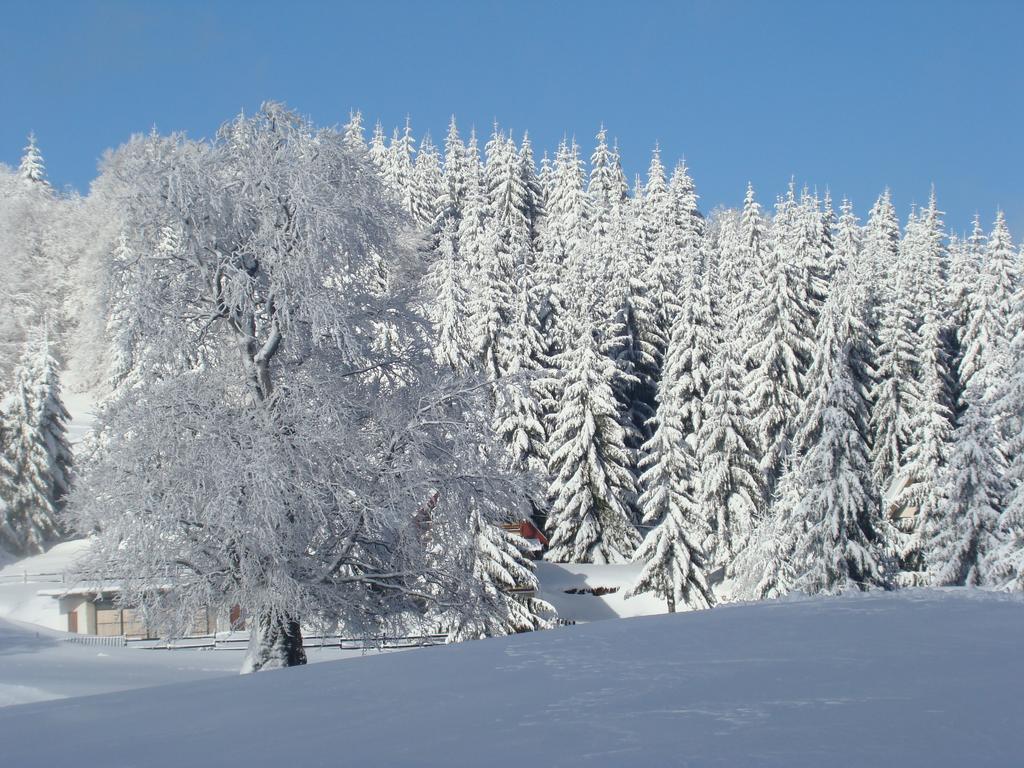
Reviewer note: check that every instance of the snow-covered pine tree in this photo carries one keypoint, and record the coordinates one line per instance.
(830, 263)
(691, 352)
(843, 540)
(731, 486)
(752, 258)
(399, 169)
(931, 419)
(427, 185)
(825, 532)
(895, 393)
(37, 459)
(672, 552)
(1006, 562)
(961, 535)
(812, 248)
(501, 599)
(655, 215)
(881, 250)
(32, 168)
(455, 187)
(563, 238)
(964, 265)
(591, 481)
(518, 415)
(688, 220)
(534, 190)
(379, 150)
(353, 132)
(984, 341)
(448, 307)
(779, 354)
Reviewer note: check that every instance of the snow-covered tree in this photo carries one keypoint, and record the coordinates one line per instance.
(881, 251)
(591, 481)
(353, 132)
(984, 342)
(895, 393)
(931, 424)
(502, 588)
(36, 462)
(456, 181)
(825, 532)
(288, 473)
(32, 168)
(731, 487)
(778, 355)
(672, 552)
(448, 305)
(962, 533)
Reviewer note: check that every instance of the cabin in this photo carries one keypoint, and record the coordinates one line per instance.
(536, 541)
(95, 610)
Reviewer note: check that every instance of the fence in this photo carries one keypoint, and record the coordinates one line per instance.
(240, 643)
(117, 641)
(25, 577)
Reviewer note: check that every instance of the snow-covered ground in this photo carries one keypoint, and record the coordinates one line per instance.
(912, 679)
(570, 588)
(22, 580)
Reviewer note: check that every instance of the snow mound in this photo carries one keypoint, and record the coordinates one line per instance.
(916, 678)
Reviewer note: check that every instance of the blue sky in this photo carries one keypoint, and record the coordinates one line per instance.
(852, 96)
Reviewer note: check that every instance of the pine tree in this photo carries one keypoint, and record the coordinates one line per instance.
(778, 357)
(931, 419)
(1006, 562)
(691, 351)
(984, 341)
(427, 185)
(379, 150)
(731, 486)
(37, 459)
(504, 584)
(843, 539)
(749, 260)
(353, 132)
(448, 307)
(672, 552)
(518, 416)
(963, 532)
(563, 239)
(825, 532)
(32, 167)
(895, 394)
(456, 183)
(399, 167)
(591, 485)
(881, 250)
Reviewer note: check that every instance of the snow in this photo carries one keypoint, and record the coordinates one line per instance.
(22, 580)
(556, 578)
(37, 664)
(917, 678)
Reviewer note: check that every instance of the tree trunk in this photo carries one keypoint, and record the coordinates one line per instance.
(670, 599)
(274, 642)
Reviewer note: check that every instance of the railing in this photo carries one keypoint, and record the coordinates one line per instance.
(115, 641)
(237, 643)
(26, 576)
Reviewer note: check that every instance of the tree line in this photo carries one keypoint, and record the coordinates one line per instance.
(332, 368)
